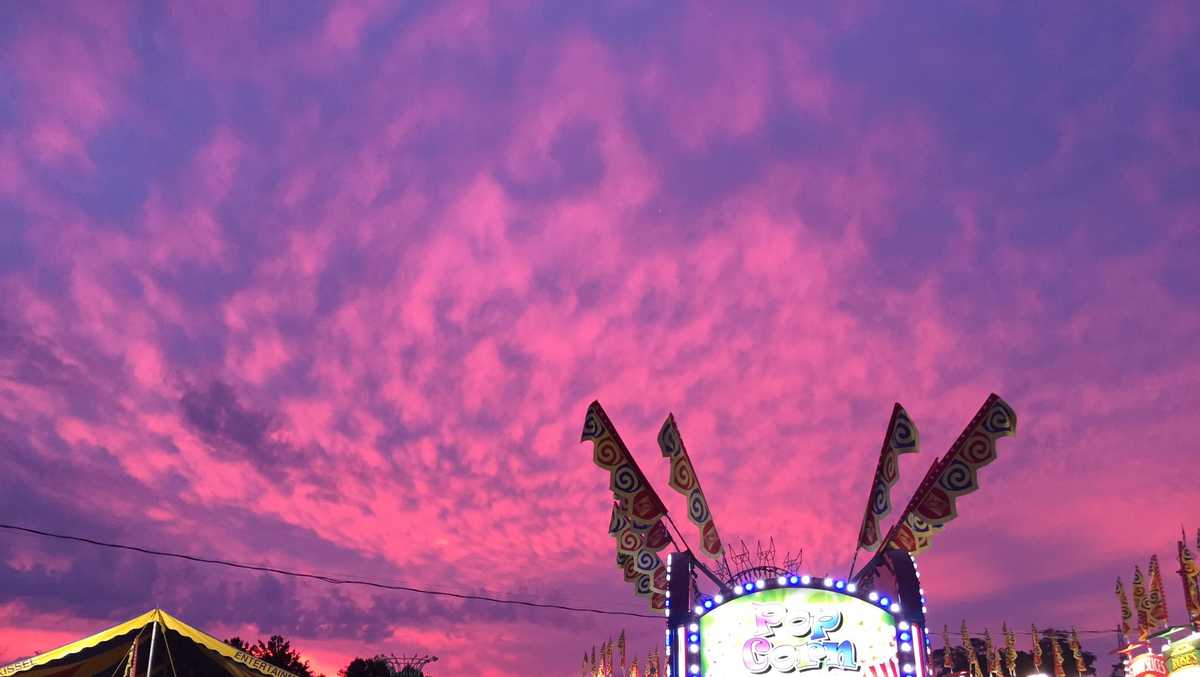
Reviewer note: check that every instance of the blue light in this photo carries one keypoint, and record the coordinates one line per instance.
(749, 587)
(794, 580)
(708, 604)
(693, 638)
(839, 585)
(884, 601)
(904, 637)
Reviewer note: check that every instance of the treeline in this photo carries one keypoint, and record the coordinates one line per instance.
(278, 651)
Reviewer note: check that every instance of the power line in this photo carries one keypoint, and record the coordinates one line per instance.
(326, 579)
(384, 586)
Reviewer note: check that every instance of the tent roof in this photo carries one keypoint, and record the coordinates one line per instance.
(107, 648)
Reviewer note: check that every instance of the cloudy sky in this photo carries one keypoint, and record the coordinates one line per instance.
(330, 285)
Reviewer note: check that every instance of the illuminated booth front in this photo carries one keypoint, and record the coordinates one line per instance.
(793, 624)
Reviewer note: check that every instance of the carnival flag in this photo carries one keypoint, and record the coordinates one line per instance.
(1157, 596)
(1126, 614)
(1037, 650)
(626, 479)
(900, 438)
(989, 650)
(972, 658)
(621, 649)
(1010, 650)
(947, 650)
(684, 480)
(1077, 653)
(1141, 604)
(952, 476)
(1059, 670)
(1191, 588)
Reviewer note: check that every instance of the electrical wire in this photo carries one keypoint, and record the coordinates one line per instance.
(385, 586)
(328, 579)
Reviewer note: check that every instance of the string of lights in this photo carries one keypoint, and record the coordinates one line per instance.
(374, 584)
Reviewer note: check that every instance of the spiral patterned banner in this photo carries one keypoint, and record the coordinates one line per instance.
(658, 579)
(683, 479)
(647, 561)
(658, 601)
(630, 571)
(629, 486)
(630, 541)
(658, 537)
(955, 474)
(642, 585)
(618, 522)
(900, 438)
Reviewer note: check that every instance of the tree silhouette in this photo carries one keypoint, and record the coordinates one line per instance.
(367, 667)
(376, 667)
(277, 651)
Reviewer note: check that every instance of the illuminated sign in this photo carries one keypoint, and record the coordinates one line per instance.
(1147, 665)
(787, 631)
(1183, 658)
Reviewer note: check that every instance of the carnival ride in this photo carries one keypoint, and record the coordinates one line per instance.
(726, 619)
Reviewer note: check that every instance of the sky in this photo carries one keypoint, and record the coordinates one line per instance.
(330, 286)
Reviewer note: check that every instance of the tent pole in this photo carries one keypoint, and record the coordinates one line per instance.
(150, 658)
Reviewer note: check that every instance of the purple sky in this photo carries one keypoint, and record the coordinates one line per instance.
(330, 286)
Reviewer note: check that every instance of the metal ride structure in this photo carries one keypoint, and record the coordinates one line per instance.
(757, 618)
(399, 664)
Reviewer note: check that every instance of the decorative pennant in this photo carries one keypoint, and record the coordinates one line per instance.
(626, 479)
(1010, 650)
(1191, 588)
(900, 438)
(947, 652)
(658, 579)
(684, 480)
(1059, 670)
(989, 652)
(1126, 614)
(1156, 596)
(972, 658)
(641, 585)
(1037, 650)
(1077, 653)
(1141, 603)
(955, 474)
(646, 561)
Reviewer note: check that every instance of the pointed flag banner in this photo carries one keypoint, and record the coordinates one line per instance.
(1126, 614)
(621, 649)
(684, 480)
(947, 652)
(900, 438)
(1191, 588)
(1141, 603)
(952, 476)
(1077, 653)
(989, 650)
(636, 521)
(1010, 650)
(1059, 670)
(1157, 596)
(1037, 650)
(972, 658)
(626, 479)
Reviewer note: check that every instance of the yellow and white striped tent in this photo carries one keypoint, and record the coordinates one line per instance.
(124, 651)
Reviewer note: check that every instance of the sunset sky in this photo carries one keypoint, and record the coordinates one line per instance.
(330, 286)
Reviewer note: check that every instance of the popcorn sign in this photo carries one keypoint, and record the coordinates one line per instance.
(798, 630)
